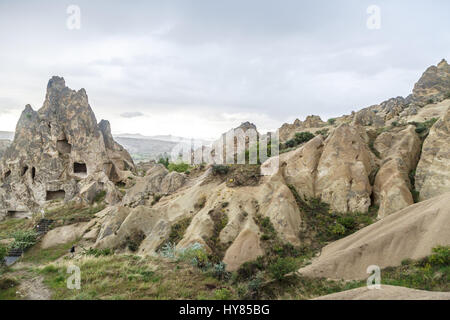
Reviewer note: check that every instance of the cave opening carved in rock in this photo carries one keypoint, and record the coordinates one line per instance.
(79, 168)
(33, 173)
(55, 195)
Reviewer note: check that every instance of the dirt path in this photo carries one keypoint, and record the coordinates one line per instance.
(34, 289)
(31, 286)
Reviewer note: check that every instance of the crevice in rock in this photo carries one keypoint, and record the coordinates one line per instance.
(24, 170)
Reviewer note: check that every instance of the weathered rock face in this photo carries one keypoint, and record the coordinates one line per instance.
(204, 203)
(157, 181)
(434, 83)
(400, 153)
(300, 167)
(3, 145)
(343, 170)
(433, 170)
(287, 131)
(407, 234)
(58, 150)
(367, 117)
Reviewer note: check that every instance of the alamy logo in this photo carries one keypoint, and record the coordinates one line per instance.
(374, 20)
(74, 18)
(374, 281)
(237, 146)
(74, 281)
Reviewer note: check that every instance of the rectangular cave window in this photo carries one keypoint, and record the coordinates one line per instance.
(24, 170)
(55, 195)
(79, 167)
(18, 214)
(63, 146)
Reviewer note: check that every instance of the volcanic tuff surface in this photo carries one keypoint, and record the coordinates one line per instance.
(381, 156)
(60, 152)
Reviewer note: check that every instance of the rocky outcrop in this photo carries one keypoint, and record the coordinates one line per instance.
(407, 234)
(434, 83)
(3, 145)
(300, 167)
(207, 202)
(287, 131)
(157, 181)
(433, 173)
(343, 170)
(386, 292)
(400, 153)
(58, 151)
(367, 117)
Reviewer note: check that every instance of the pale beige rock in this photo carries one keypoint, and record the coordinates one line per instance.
(246, 247)
(386, 292)
(63, 235)
(407, 234)
(157, 180)
(400, 153)
(343, 170)
(57, 151)
(300, 166)
(433, 170)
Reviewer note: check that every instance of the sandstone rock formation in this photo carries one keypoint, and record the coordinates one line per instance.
(433, 170)
(343, 170)
(157, 181)
(434, 83)
(410, 233)
(386, 292)
(3, 145)
(400, 153)
(287, 131)
(58, 151)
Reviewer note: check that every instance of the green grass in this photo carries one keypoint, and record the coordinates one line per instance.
(7, 227)
(73, 213)
(130, 277)
(431, 273)
(8, 288)
(36, 255)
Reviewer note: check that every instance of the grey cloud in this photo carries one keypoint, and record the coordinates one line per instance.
(132, 114)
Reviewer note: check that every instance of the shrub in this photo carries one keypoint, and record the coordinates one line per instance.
(164, 161)
(100, 196)
(281, 267)
(331, 121)
(250, 268)
(220, 169)
(440, 256)
(222, 294)
(219, 271)
(178, 167)
(338, 229)
(24, 239)
(3, 253)
(156, 198)
(447, 95)
(301, 137)
(196, 255)
(98, 252)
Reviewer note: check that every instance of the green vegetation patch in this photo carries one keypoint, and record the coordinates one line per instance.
(73, 213)
(431, 273)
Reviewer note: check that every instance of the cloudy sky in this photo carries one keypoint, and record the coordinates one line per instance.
(198, 68)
